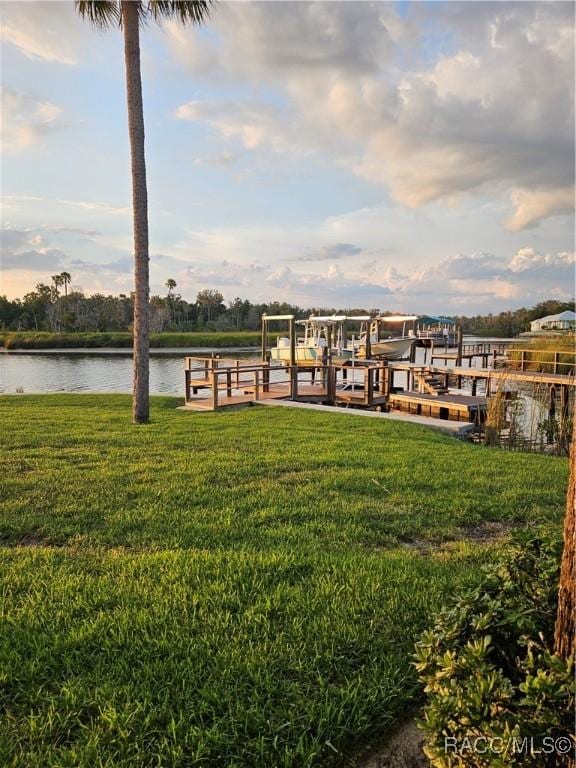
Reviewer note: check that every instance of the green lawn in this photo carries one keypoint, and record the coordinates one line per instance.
(230, 589)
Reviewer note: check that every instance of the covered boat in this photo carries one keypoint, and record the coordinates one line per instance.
(373, 344)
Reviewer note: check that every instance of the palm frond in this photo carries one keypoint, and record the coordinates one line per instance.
(102, 14)
(194, 11)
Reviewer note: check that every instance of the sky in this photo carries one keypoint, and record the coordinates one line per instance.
(406, 156)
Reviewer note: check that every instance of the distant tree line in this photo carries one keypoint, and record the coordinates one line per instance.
(54, 307)
(511, 323)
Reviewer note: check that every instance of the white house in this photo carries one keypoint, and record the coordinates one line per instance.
(565, 321)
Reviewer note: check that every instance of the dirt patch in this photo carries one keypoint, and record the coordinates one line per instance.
(488, 531)
(482, 532)
(402, 750)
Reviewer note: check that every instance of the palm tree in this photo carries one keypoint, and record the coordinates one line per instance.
(66, 279)
(57, 280)
(129, 15)
(565, 631)
(170, 284)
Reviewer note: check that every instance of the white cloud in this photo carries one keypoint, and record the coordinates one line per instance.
(495, 115)
(26, 119)
(528, 259)
(533, 205)
(48, 31)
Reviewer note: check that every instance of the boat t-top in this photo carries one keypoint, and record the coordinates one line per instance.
(324, 336)
(327, 337)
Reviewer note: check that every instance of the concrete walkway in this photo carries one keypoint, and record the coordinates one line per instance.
(456, 428)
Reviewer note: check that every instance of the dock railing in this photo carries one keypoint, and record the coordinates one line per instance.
(235, 377)
(542, 360)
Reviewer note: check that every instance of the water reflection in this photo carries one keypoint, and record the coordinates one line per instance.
(88, 373)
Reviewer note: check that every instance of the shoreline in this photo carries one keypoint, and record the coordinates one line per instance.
(154, 351)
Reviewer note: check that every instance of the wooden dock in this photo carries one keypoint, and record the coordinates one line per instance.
(428, 390)
(449, 407)
(211, 385)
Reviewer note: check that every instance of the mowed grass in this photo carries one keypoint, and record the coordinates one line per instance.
(230, 589)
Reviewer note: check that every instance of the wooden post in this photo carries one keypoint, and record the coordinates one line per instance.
(292, 333)
(214, 377)
(332, 375)
(368, 385)
(368, 342)
(459, 337)
(228, 382)
(187, 384)
(385, 374)
(474, 385)
(293, 382)
(522, 359)
(264, 336)
(412, 357)
(266, 376)
(256, 385)
(556, 360)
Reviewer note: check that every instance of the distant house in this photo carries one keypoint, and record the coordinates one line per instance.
(565, 321)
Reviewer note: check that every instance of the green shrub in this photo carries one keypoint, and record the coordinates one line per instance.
(494, 690)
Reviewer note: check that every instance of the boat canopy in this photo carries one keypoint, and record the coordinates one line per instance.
(432, 320)
(397, 318)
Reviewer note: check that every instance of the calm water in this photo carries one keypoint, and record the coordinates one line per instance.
(88, 372)
(97, 372)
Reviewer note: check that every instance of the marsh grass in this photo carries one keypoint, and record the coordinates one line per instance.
(546, 354)
(45, 340)
(230, 589)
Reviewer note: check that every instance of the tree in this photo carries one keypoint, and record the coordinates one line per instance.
(211, 302)
(57, 280)
(66, 279)
(129, 15)
(170, 284)
(564, 635)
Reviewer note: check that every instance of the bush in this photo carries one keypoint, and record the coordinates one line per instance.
(494, 688)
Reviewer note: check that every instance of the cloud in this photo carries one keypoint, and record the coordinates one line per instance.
(469, 280)
(533, 205)
(529, 260)
(333, 252)
(48, 31)
(490, 111)
(107, 208)
(331, 286)
(222, 274)
(26, 119)
(44, 259)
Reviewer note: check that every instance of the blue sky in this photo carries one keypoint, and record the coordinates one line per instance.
(407, 156)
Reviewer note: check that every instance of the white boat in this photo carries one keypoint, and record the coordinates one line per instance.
(386, 349)
(370, 345)
(324, 337)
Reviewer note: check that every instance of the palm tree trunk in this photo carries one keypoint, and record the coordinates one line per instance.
(130, 22)
(564, 636)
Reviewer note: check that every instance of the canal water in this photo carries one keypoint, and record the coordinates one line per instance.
(103, 370)
(94, 371)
